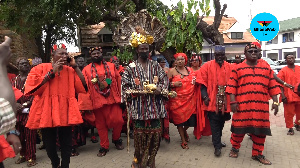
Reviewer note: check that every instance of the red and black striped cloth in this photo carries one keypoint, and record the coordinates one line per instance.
(252, 87)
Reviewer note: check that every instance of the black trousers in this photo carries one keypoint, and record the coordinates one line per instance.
(1, 165)
(65, 139)
(217, 122)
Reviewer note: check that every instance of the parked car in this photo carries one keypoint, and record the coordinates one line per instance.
(283, 64)
(272, 64)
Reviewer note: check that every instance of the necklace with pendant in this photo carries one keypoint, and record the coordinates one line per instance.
(182, 75)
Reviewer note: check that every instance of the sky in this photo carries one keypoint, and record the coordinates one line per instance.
(240, 10)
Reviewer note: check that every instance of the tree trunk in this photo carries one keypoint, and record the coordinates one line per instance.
(39, 43)
(139, 5)
(48, 44)
(169, 54)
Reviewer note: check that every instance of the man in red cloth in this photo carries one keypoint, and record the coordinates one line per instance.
(54, 108)
(27, 136)
(291, 101)
(213, 77)
(250, 86)
(104, 83)
(7, 108)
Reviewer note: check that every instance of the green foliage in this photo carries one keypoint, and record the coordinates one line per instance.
(125, 56)
(181, 24)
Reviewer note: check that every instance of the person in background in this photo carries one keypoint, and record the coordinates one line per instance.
(54, 108)
(291, 101)
(27, 136)
(104, 99)
(7, 108)
(196, 62)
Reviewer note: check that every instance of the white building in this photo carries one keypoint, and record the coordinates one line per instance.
(287, 41)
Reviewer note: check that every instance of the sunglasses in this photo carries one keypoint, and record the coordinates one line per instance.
(252, 51)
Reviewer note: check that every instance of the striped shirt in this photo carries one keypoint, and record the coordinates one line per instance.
(7, 117)
(144, 107)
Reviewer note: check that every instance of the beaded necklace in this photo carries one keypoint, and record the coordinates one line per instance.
(108, 79)
(182, 75)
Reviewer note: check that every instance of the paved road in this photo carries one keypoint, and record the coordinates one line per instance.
(281, 149)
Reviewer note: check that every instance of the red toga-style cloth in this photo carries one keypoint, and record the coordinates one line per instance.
(211, 75)
(6, 151)
(186, 103)
(121, 69)
(54, 104)
(252, 86)
(93, 99)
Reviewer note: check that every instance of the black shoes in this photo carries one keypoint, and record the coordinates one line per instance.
(217, 152)
(223, 144)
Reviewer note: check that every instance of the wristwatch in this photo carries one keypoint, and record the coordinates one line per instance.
(15, 132)
(276, 103)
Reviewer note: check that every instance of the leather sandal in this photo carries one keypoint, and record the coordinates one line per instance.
(94, 139)
(184, 145)
(234, 153)
(119, 144)
(297, 127)
(102, 152)
(20, 160)
(31, 163)
(74, 153)
(291, 131)
(262, 159)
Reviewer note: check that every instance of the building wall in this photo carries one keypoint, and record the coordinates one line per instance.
(21, 45)
(282, 48)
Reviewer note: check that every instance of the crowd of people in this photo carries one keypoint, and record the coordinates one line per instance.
(60, 101)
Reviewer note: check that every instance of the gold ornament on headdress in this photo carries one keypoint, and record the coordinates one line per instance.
(140, 37)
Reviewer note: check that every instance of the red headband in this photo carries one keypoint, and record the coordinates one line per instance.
(59, 46)
(182, 55)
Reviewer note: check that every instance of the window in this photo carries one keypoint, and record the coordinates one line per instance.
(107, 38)
(237, 35)
(286, 37)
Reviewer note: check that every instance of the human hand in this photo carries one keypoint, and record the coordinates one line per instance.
(157, 91)
(19, 107)
(275, 107)
(72, 62)
(58, 65)
(5, 51)
(206, 101)
(234, 107)
(289, 86)
(14, 140)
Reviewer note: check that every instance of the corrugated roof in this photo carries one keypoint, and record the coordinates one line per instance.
(290, 24)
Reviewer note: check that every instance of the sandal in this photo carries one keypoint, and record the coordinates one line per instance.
(134, 165)
(93, 139)
(184, 145)
(74, 153)
(291, 131)
(297, 127)
(31, 163)
(21, 159)
(234, 153)
(102, 152)
(262, 159)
